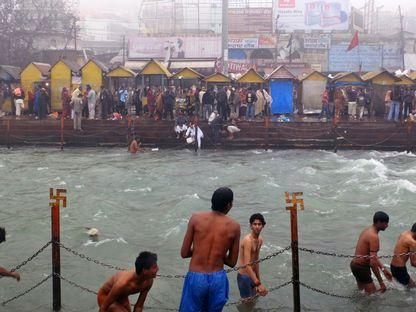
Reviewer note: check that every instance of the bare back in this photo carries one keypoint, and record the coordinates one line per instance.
(404, 244)
(367, 242)
(211, 237)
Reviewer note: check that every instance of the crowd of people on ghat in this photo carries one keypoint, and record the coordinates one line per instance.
(356, 103)
(212, 241)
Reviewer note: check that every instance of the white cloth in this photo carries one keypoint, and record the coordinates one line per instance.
(179, 129)
(19, 104)
(91, 110)
(233, 129)
(190, 134)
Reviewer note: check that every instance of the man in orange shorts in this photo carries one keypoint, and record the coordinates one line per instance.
(113, 296)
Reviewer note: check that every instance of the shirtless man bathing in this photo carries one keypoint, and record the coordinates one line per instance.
(211, 240)
(368, 245)
(406, 243)
(113, 296)
(248, 279)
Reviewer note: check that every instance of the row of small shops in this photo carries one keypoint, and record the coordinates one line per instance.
(289, 90)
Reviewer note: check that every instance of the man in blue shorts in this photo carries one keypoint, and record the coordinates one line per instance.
(211, 240)
(248, 278)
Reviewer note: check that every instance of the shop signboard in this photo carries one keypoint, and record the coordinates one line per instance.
(250, 20)
(312, 14)
(267, 42)
(235, 66)
(317, 41)
(392, 56)
(243, 43)
(174, 47)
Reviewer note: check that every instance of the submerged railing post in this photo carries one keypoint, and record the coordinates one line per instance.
(8, 134)
(62, 132)
(55, 204)
(267, 126)
(292, 202)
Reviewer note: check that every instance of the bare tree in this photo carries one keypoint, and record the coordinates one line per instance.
(26, 23)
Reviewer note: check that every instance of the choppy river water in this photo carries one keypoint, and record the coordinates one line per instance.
(143, 202)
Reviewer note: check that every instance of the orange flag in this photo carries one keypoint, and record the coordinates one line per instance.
(354, 42)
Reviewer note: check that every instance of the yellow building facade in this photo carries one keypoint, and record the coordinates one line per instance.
(93, 74)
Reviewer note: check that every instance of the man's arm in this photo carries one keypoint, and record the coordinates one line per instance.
(6, 273)
(138, 307)
(232, 257)
(116, 292)
(375, 263)
(186, 250)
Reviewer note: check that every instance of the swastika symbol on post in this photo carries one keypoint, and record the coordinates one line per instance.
(58, 197)
(292, 198)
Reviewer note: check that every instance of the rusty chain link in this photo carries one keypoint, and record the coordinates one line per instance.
(323, 292)
(339, 255)
(106, 265)
(42, 249)
(27, 291)
(256, 296)
(271, 256)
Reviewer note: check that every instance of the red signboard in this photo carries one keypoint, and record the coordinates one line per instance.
(251, 20)
(286, 4)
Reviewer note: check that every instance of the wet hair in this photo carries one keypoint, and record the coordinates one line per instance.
(414, 228)
(2, 235)
(257, 216)
(221, 198)
(380, 216)
(145, 260)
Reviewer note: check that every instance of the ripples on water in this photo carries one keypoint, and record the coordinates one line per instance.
(143, 202)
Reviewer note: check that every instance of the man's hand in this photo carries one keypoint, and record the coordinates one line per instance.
(16, 276)
(262, 290)
(383, 287)
(387, 274)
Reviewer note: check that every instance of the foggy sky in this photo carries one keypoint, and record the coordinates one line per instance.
(132, 6)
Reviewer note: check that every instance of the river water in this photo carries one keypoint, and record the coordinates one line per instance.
(143, 202)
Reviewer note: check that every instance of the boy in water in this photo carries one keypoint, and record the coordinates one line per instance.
(368, 245)
(211, 240)
(113, 296)
(406, 243)
(134, 145)
(3, 271)
(248, 278)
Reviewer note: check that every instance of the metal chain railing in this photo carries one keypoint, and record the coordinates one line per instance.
(27, 291)
(37, 253)
(271, 256)
(106, 265)
(323, 292)
(340, 255)
(250, 299)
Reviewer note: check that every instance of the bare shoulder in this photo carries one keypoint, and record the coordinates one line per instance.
(261, 241)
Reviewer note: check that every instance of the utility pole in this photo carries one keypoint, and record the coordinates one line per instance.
(401, 37)
(225, 36)
(124, 50)
(276, 30)
(75, 32)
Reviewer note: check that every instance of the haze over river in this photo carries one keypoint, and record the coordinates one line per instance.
(143, 202)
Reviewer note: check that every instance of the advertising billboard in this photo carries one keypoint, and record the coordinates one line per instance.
(250, 20)
(372, 57)
(312, 14)
(243, 43)
(317, 41)
(174, 47)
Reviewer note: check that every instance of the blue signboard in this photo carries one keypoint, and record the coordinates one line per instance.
(282, 95)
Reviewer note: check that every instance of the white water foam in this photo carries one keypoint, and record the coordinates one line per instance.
(42, 168)
(144, 190)
(308, 170)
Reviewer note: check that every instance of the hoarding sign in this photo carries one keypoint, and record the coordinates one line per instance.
(243, 43)
(238, 67)
(174, 47)
(312, 14)
(250, 20)
(366, 56)
(357, 19)
(267, 42)
(392, 56)
(317, 41)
